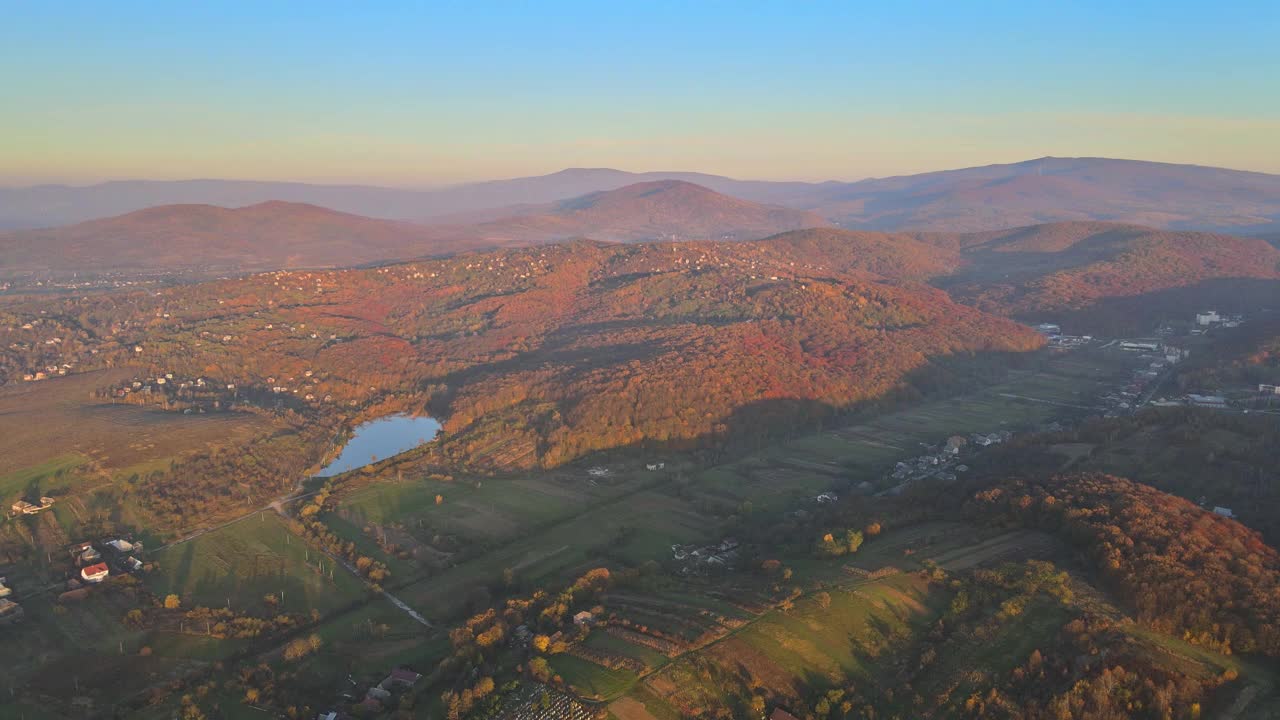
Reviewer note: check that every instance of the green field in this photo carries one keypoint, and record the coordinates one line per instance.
(591, 680)
(635, 527)
(54, 476)
(248, 559)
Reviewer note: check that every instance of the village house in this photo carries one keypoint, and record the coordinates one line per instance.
(95, 573)
(1139, 346)
(377, 693)
(10, 612)
(1223, 511)
(22, 507)
(1207, 401)
(400, 677)
(90, 555)
(583, 618)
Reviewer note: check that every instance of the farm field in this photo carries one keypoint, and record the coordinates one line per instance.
(53, 418)
(730, 625)
(785, 474)
(551, 524)
(54, 476)
(589, 680)
(634, 528)
(489, 510)
(248, 559)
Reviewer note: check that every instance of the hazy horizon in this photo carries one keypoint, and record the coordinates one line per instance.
(634, 171)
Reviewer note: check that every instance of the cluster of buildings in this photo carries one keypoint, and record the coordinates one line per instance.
(1059, 341)
(22, 507)
(48, 372)
(205, 394)
(1159, 358)
(376, 697)
(97, 561)
(695, 560)
(1209, 319)
(942, 461)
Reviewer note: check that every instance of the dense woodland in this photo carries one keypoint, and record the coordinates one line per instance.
(1181, 569)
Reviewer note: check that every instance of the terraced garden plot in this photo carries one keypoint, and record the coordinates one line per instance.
(789, 650)
(610, 643)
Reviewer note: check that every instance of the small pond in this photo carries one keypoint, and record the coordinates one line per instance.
(380, 439)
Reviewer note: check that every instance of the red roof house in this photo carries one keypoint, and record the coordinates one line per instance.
(95, 573)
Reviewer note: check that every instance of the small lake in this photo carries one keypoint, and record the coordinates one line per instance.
(380, 439)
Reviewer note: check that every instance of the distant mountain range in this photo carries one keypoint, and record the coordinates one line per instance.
(1178, 197)
(973, 199)
(55, 205)
(206, 239)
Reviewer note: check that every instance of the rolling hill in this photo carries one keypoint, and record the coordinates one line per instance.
(1061, 269)
(659, 210)
(206, 239)
(1092, 271)
(540, 355)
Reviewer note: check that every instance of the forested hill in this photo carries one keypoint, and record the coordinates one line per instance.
(538, 356)
(210, 240)
(1108, 277)
(661, 210)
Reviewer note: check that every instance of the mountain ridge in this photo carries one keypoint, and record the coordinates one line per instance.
(988, 197)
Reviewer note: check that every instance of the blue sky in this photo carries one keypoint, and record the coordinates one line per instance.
(418, 94)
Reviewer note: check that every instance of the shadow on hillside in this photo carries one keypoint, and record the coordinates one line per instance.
(1139, 314)
(755, 425)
